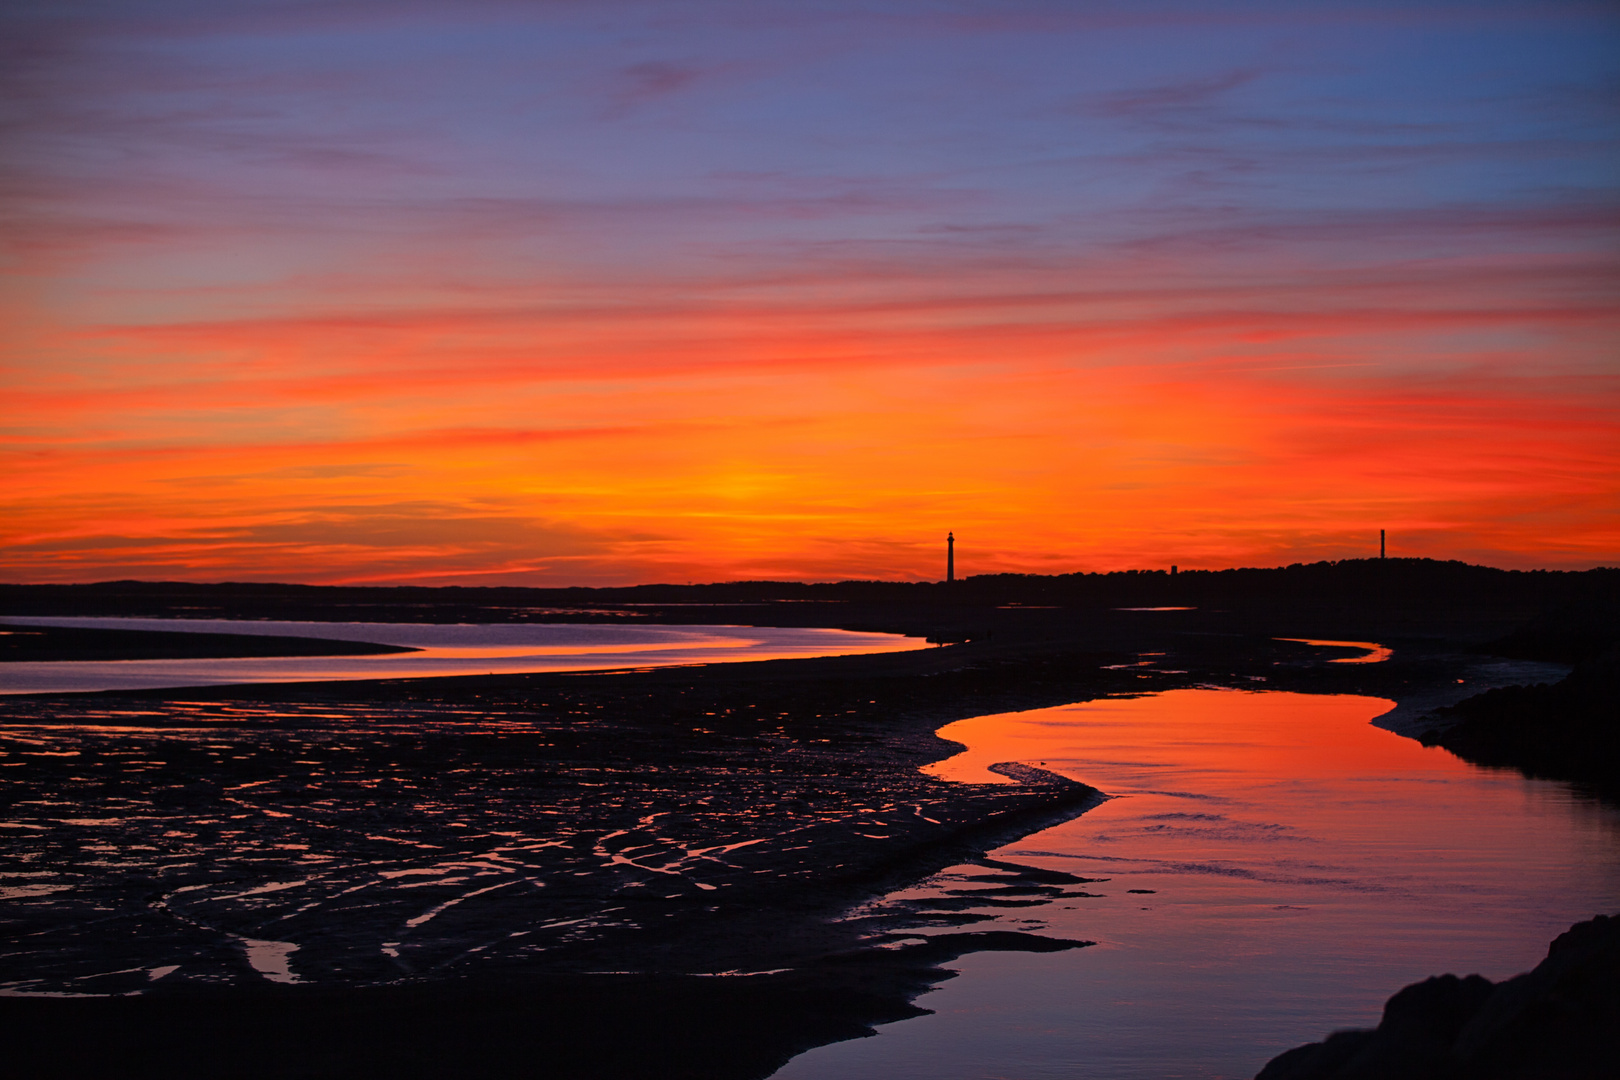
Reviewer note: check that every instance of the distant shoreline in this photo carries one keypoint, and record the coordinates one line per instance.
(25, 643)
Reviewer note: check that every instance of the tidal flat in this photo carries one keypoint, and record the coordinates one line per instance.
(536, 841)
(621, 874)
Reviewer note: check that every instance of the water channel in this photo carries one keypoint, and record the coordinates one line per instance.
(1272, 867)
(442, 649)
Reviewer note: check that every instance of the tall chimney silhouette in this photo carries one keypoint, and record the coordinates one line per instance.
(950, 556)
(1380, 543)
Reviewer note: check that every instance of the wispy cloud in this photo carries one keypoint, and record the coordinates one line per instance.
(570, 291)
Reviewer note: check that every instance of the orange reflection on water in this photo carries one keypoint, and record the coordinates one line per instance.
(1271, 867)
(1375, 651)
(443, 650)
(1232, 733)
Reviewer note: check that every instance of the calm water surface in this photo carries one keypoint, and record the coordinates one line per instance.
(445, 649)
(1296, 866)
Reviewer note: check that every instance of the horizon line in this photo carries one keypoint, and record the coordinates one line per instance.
(1167, 573)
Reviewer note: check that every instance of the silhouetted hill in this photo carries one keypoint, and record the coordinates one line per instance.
(1392, 585)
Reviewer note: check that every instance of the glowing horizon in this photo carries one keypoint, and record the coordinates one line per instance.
(502, 293)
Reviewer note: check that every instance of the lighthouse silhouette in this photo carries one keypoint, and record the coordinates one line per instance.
(950, 556)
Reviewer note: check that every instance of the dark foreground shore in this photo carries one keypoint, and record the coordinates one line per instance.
(628, 875)
(1560, 1021)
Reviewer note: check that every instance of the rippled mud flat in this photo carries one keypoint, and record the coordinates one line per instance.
(611, 876)
(225, 843)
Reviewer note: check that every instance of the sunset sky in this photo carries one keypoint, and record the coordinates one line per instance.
(543, 292)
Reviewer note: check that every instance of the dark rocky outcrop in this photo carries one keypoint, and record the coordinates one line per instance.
(1569, 730)
(1558, 1022)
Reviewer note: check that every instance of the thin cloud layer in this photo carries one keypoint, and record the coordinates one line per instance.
(628, 292)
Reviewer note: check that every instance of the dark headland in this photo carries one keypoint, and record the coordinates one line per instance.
(1560, 1021)
(667, 852)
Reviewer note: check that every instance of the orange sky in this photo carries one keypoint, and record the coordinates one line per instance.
(389, 346)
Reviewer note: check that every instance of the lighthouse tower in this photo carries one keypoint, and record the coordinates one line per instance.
(950, 557)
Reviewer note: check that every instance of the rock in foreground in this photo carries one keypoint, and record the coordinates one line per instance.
(1561, 1021)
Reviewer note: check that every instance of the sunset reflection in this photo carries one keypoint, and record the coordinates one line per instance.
(1270, 867)
(1375, 652)
(1209, 734)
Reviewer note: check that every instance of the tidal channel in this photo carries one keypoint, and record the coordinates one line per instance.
(1270, 867)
